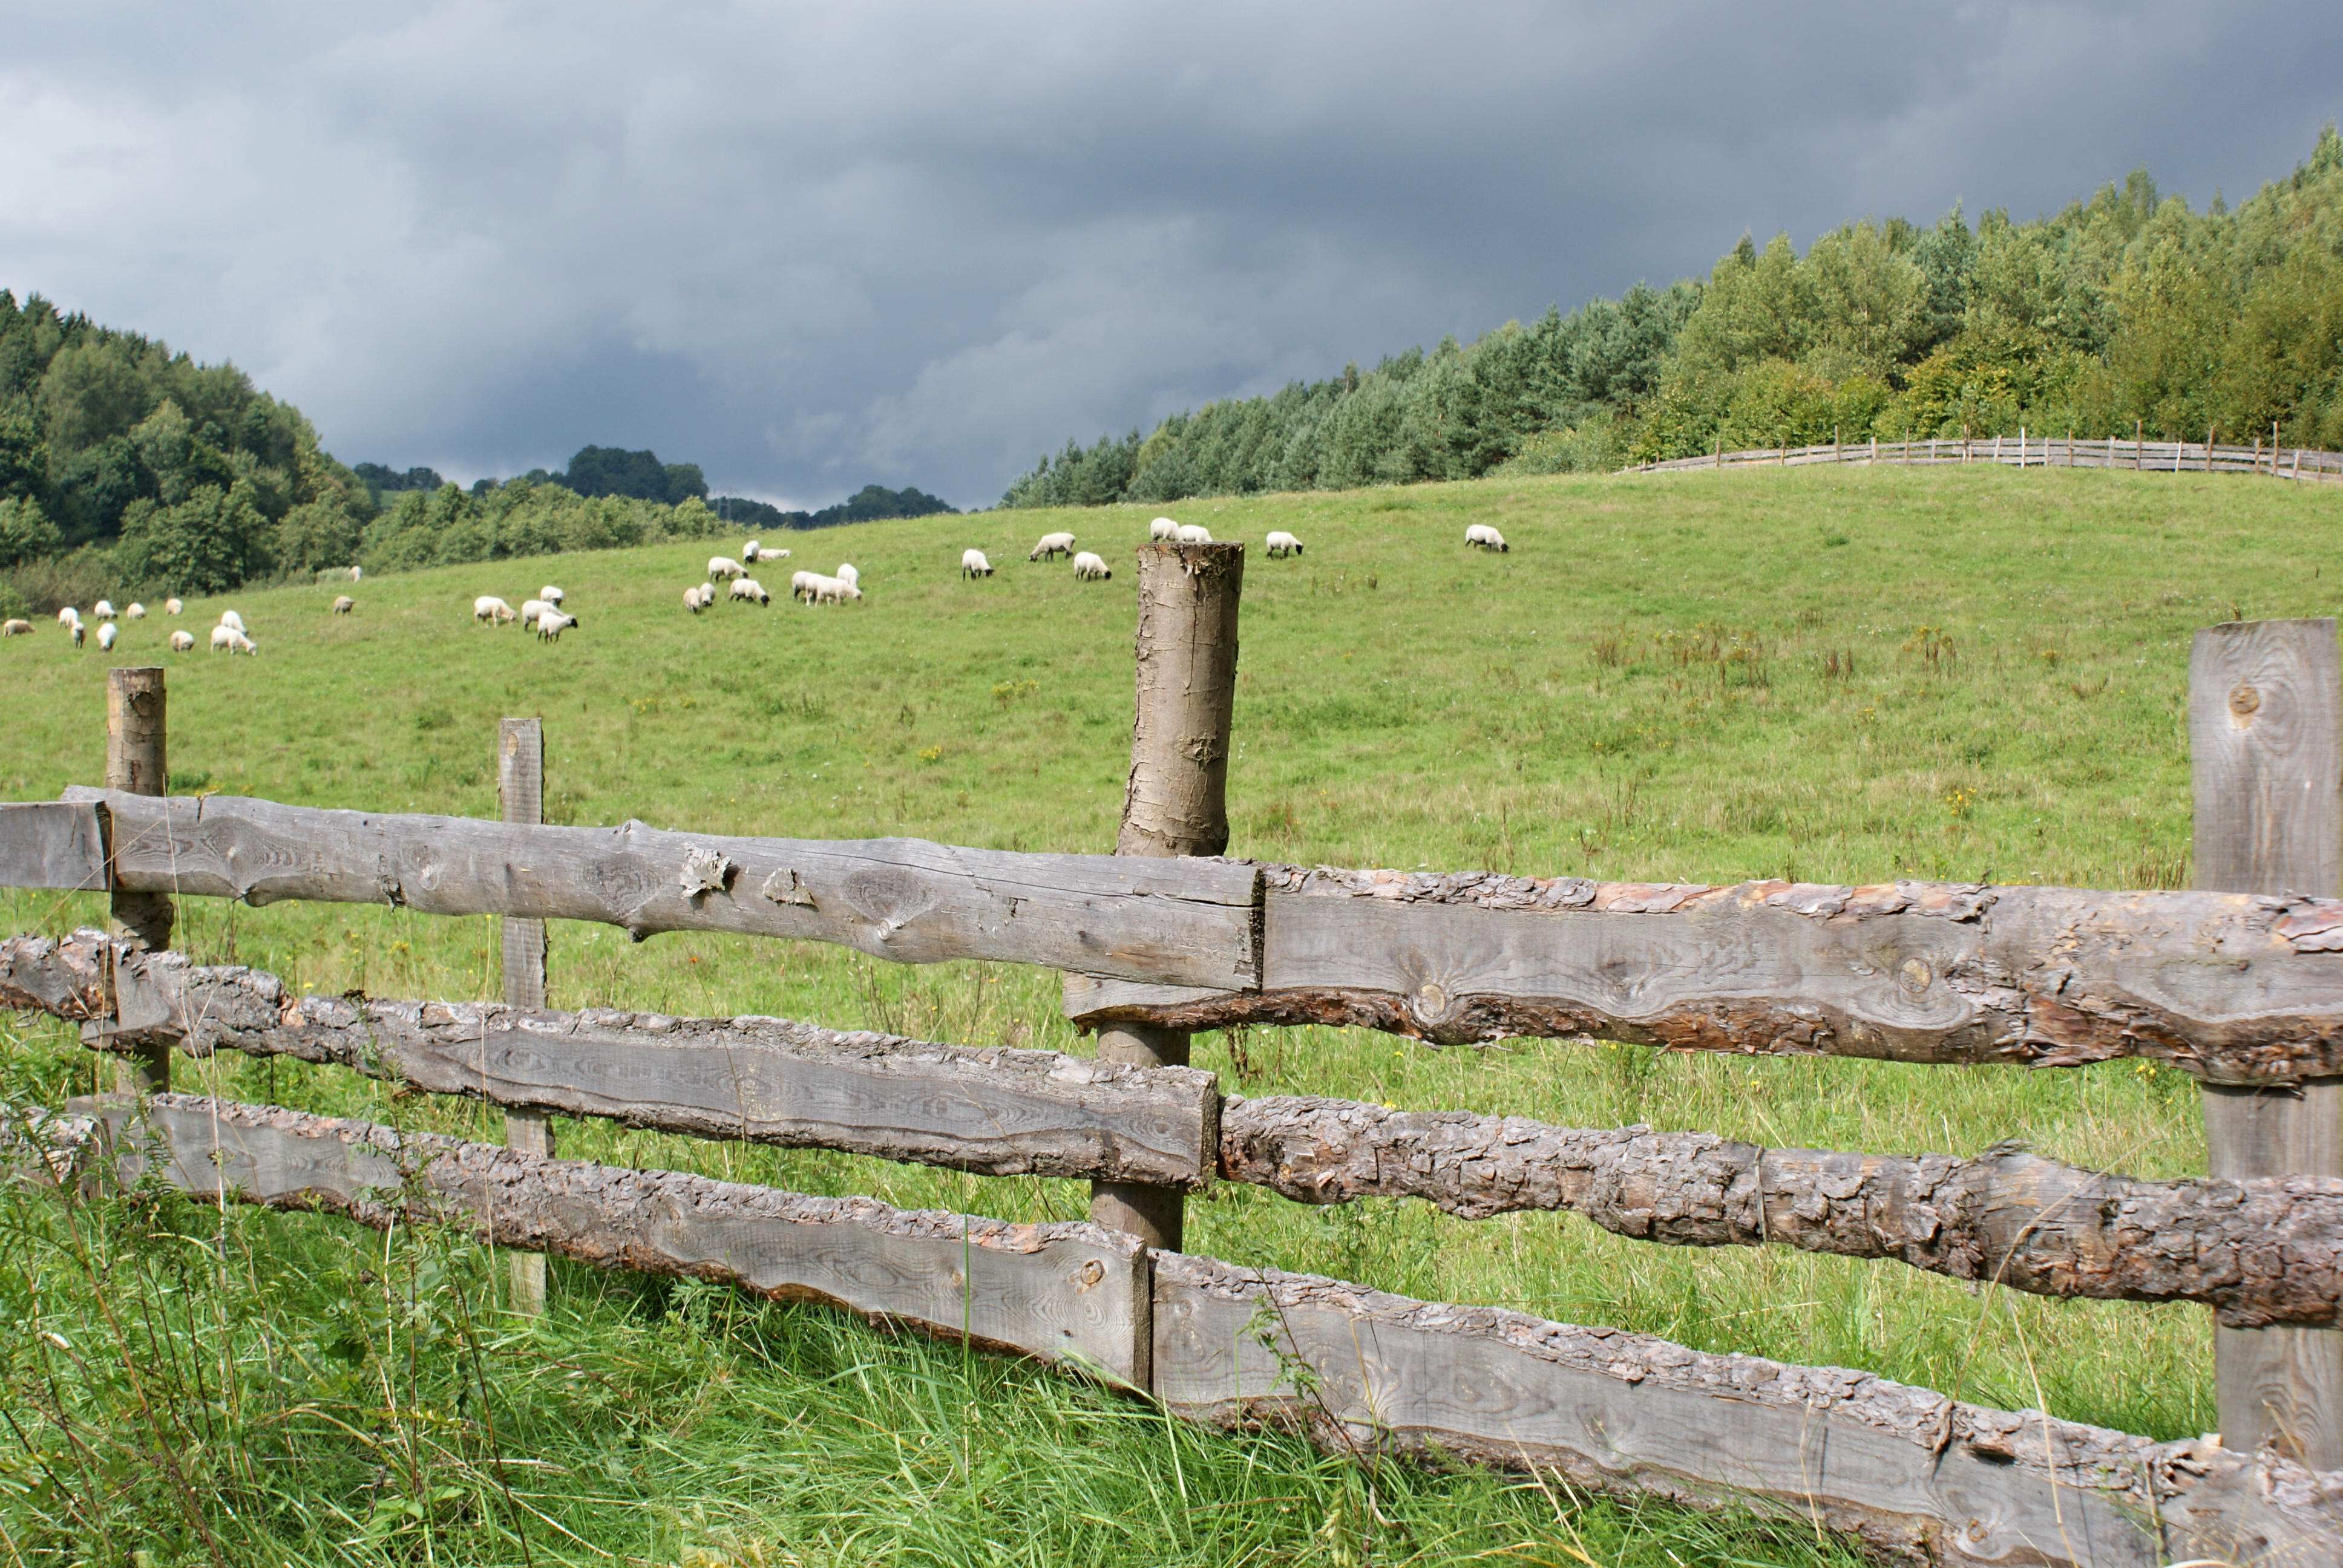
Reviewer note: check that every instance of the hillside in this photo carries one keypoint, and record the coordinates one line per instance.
(2125, 311)
(1823, 674)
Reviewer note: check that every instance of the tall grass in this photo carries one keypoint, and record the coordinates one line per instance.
(1842, 676)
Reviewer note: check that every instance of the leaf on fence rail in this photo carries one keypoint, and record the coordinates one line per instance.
(1188, 921)
(997, 1110)
(2265, 1251)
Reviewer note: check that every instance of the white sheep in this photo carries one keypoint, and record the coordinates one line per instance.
(706, 595)
(691, 598)
(228, 618)
(106, 636)
(183, 641)
(1162, 528)
(233, 640)
(972, 564)
(172, 606)
(551, 595)
(748, 551)
(801, 583)
(750, 588)
(357, 573)
(76, 633)
(846, 574)
(344, 604)
(1485, 537)
(530, 609)
(488, 607)
(137, 611)
(1282, 543)
(13, 627)
(67, 615)
(1051, 546)
(103, 609)
(552, 623)
(723, 567)
(1195, 534)
(1091, 567)
(836, 590)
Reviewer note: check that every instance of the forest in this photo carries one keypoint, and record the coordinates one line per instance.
(2127, 312)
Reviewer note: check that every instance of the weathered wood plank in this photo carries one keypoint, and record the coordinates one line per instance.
(520, 797)
(2266, 756)
(1915, 1474)
(52, 844)
(1068, 1291)
(2266, 1251)
(2234, 988)
(1000, 1112)
(1180, 921)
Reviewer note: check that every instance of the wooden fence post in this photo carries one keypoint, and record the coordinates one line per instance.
(1176, 801)
(2265, 749)
(520, 793)
(135, 763)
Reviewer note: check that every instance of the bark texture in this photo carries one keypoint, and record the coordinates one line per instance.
(1175, 800)
(2260, 1251)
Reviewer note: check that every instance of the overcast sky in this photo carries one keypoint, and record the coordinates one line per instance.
(812, 247)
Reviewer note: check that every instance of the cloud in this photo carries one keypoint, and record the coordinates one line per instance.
(812, 246)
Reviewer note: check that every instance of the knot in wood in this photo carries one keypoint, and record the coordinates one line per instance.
(2244, 701)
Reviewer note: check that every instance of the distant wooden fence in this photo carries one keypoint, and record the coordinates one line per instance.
(2025, 450)
(2243, 990)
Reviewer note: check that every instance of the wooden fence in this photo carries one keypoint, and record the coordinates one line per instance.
(2244, 990)
(2025, 450)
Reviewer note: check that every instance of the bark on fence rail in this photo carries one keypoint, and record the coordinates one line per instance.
(1919, 1476)
(2231, 988)
(2260, 1251)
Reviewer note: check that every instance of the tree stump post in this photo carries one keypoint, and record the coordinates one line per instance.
(520, 793)
(135, 763)
(2266, 752)
(1175, 801)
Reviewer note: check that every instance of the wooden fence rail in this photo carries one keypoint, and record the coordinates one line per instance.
(2258, 1251)
(1915, 1474)
(2233, 988)
(2033, 452)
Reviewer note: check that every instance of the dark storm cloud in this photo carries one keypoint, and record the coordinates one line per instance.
(809, 247)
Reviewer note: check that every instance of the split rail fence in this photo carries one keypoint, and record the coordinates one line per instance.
(2243, 987)
(2024, 450)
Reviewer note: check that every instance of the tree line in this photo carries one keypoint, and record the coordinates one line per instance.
(2127, 313)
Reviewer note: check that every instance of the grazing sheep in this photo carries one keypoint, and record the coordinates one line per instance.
(1485, 537)
(552, 624)
(1282, 543)
(488, 607)
(344, 604)
(137, 611)
(1089, 568)
(1051, 546)
(801, 583)
(1162, 528)
(719, 567)
(691, 598)
(76, 633)
(706, 595)
(530, 609)
(837, 590)
(12, 628)
(172, 606)
(1195, 534)
(749, 588)
(67, 615)
(230, 618)
(551, 595)
(846, 574)
(183, 641)
(106, 636)
(972, 564)
(234, 641)
(357, 573)
(103, 609)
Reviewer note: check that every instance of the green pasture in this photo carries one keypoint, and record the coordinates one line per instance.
(1830, 676)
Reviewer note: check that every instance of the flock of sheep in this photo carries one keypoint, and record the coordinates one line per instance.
(227, 637)
(542, 614)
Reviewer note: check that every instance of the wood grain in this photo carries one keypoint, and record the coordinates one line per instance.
(136, 761)
(998, 1112)
(2268, 1249)
(1917, 1475)
(2230, 988)
(2266, 752)
(52, 844)
(1182, 921)
(520, 797)
(1068, 1292)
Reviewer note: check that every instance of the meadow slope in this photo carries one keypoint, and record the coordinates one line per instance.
(1827, 675)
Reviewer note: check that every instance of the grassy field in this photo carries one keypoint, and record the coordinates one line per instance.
(1839, 675)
